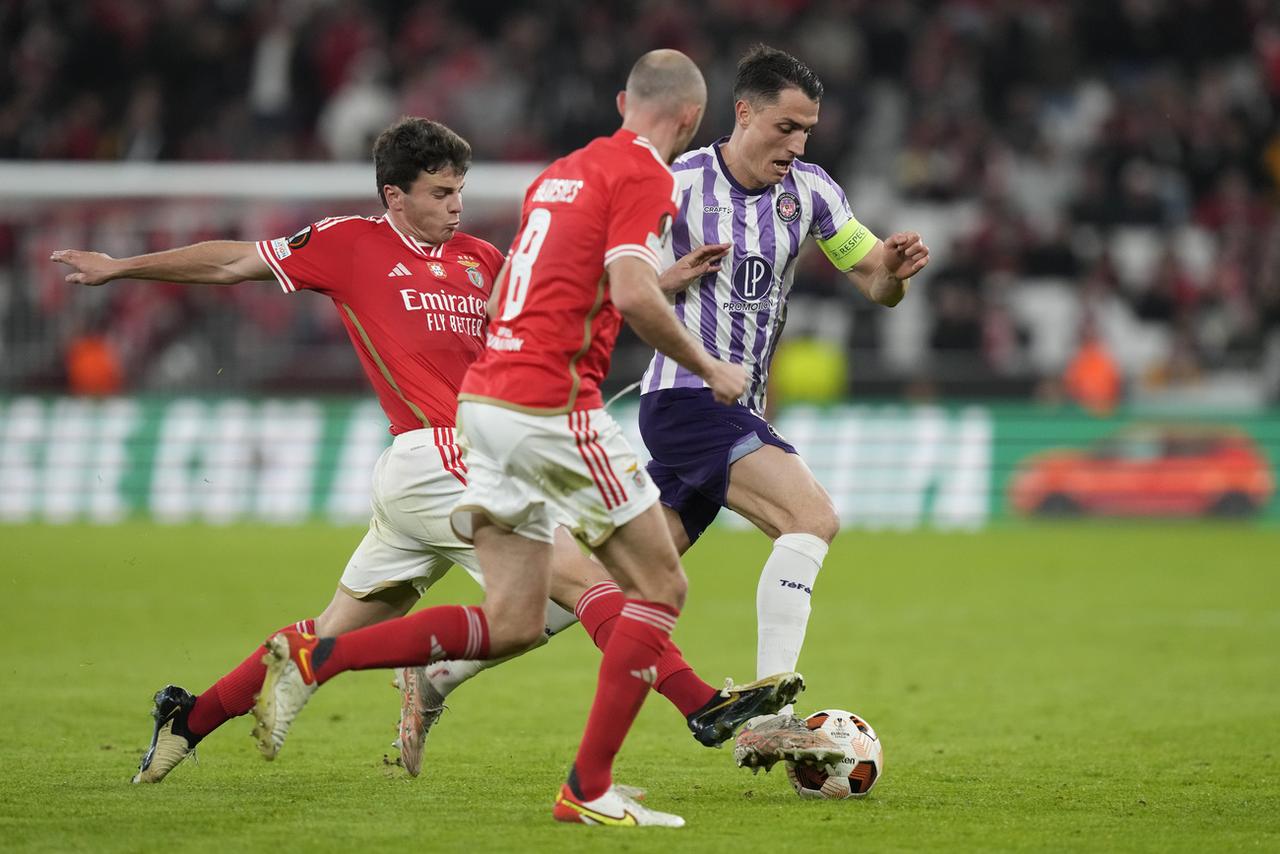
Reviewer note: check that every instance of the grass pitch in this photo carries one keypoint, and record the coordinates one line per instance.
(1041, 688)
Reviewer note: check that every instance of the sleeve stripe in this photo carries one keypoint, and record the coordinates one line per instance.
(631, 247)
(633, 251)
(264, 252)
(334, 220)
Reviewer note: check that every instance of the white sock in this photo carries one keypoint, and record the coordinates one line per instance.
(448, 675)
(782, 601)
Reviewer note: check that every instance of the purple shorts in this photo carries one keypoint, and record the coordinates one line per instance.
(692, 441)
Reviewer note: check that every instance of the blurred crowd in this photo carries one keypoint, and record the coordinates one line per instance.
(1097, 180)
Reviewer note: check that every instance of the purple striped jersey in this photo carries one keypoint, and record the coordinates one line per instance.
(738, 313)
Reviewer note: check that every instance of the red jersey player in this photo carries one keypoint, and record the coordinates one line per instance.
(411, 290)
(540, 447)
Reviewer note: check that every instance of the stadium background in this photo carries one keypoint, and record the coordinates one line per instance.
(1097, 184)
(184, 468)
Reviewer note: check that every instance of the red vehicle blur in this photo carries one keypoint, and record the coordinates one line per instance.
(1148, 471)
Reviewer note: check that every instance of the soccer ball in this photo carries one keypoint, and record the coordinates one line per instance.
(863, 759)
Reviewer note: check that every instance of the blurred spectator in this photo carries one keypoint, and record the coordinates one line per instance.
(93, 367)
(1092, 378)
(358, 111)
(957, 323)
(1031, 134)
(1170, 294)
(1181, 367)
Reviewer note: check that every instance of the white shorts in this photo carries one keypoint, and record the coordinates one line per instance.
(530, 473)
(417, 481)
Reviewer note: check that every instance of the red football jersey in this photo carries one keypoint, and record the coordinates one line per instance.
(550, 345)
(415, 312)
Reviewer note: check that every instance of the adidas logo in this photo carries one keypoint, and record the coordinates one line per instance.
(437, 651)
(648, 676)
(399, 270)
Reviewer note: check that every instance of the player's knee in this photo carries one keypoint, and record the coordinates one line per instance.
(513, 630)
(527, 634)
(825, 523)
(816, 517)
(670, 588)
(509, 638)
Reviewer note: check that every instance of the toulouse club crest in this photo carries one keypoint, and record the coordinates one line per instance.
(787, 206)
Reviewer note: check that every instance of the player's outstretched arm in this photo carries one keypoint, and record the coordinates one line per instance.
(692, 267)
(214, 262)
(883, 274)
(634, 288)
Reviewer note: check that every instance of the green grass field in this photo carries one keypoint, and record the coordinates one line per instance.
(1038, 688)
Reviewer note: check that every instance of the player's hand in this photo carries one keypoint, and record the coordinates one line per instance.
(727, 381)
(91, 268)
(698, 263)
(905, 254)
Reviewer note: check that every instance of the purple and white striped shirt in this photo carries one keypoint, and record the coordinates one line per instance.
(739, 312)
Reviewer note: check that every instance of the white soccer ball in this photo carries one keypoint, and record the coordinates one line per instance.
(863, 762)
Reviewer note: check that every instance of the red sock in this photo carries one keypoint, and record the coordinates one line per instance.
(432, 634)
(679, 684)
(629, 668)
(598, 611)
(232, 695)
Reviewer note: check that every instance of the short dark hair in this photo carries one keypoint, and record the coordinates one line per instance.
(765, 71)
(415, 145)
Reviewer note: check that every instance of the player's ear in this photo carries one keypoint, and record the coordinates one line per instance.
(392, 194)
(622, 103)
(742, 112)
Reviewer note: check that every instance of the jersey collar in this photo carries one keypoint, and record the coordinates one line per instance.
(624, 136)
(425, 250)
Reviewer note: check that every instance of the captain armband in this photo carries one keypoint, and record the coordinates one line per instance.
(848, 246)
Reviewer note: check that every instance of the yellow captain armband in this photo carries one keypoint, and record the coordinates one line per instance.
(848, 246)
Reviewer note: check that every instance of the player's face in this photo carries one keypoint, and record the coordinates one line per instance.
(775, 134)
(432, 209)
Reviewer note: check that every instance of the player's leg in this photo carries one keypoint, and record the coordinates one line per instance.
(675, 527)
(580, 583)
(712, 715)
(640, 557)
(700, 450)
(773, 488)
(515, 595)
(416, 493)
(509, 621)
(531, 470)
(232, 695)
(376, 586)
(706, 456)
(423, 690)
(776, 491)
(297, 664)
(568, 583)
